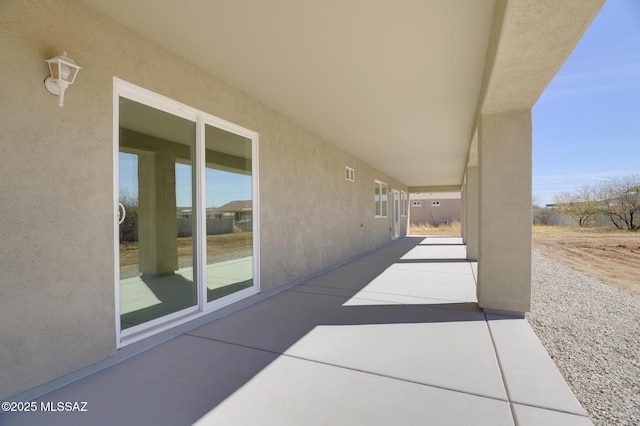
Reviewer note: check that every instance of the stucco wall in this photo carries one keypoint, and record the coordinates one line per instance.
(57, 237)
(426, 213)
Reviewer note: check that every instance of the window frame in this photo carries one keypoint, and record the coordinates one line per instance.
(380, 203)
(144, 96)
(349, 174)
(404, 201)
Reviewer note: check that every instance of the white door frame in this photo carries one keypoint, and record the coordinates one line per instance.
(395, 213)
(154, 100)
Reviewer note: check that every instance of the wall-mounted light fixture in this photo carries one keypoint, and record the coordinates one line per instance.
(63, 73)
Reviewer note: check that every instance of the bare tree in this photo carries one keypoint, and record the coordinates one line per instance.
(582, 205)
(620, 198)
(129, 225)
(542, 215)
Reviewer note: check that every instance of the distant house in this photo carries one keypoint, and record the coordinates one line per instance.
(220, 220)
(184, 213)
(435, 208)
(238, 210)
(241, 212)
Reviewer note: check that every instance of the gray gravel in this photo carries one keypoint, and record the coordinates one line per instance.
(592, 332)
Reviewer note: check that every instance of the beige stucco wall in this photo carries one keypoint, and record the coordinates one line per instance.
(449, 209)
(57, 280)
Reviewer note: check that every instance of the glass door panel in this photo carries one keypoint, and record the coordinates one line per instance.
(229, 212)
(155, 214)
(395, 209)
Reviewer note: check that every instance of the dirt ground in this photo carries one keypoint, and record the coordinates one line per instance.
(606, 254)
(452, 229)
(216, 244)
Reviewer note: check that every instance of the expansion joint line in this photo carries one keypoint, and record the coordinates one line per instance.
(502, 374)
(349, 368)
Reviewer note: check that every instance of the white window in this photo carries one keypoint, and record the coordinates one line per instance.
(381, 196)
(404, 202)
(349, 174)
(435, 203)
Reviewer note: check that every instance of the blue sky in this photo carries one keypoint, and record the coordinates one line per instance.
(221, 187)
(586, 125)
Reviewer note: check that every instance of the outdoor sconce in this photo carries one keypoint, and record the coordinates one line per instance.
(63, 73)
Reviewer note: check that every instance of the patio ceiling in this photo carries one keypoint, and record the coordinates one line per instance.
(396, 83)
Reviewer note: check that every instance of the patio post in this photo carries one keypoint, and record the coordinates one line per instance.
(471, 202)
(463, 210)
(157, 223)
(504, 244)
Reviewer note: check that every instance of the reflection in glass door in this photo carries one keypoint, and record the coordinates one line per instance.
(229, 212)
(155, 214)
(187, 232)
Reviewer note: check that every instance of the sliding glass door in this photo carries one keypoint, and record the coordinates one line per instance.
(186, 212)
(229, 212)
(156, 192)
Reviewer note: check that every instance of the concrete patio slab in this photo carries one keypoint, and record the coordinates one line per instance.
(436, 240)
(450, 348)
(364, 297)
(474, 268)
(450, 252)
(532, 416)
(135, 295)
(277, 323)
(530, 375)
(395, 337)
(297, 392)
(451, 355)
(348, 277)
(229, 272)
(175, 383)
(447, 282)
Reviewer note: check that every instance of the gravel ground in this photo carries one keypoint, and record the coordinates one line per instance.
(592, 332)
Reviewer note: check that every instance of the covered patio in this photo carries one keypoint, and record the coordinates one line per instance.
(392, 337)
(327, 116)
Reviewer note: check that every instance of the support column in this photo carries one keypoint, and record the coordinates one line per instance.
(463, 210)
(504, 264)
(472, 213)
(157, 224)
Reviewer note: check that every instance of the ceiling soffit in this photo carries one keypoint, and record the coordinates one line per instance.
(533, 42)
(398, 84)
(394, 83)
